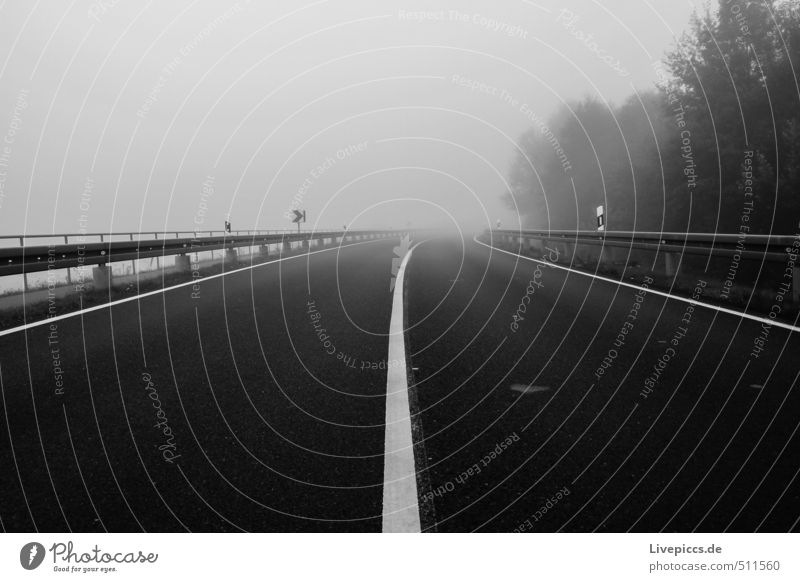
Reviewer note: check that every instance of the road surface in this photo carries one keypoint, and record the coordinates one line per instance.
(541, 399)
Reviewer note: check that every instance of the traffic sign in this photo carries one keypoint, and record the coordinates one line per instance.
(299, 216)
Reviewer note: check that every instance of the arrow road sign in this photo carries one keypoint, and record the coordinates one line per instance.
(299, 216)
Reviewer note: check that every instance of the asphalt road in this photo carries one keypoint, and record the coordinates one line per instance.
(256, 402)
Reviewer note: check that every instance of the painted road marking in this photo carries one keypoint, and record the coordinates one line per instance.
(766, 320)
(170, 288)
(528, 388)
(400, 506)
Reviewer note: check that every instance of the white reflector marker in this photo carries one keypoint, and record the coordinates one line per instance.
(400, 506)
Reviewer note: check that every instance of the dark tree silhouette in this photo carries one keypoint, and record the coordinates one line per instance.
(719, 137)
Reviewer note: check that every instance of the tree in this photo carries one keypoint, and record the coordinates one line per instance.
(725, 118)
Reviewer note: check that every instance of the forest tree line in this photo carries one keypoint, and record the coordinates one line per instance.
(714, 146)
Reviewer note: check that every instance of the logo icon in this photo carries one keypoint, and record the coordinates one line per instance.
(31, 555)
(400, 251)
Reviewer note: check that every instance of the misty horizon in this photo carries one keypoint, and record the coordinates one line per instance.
(368, 115)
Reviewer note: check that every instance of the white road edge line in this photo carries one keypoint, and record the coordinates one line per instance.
(170, 288)
(400, 505)
(766, 320)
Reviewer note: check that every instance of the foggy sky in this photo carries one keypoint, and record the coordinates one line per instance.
(119, 116)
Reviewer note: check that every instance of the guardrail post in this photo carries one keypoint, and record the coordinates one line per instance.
(183, 264)
(101, 277)
(606, 256)
(231, 256)
(569, 251)
(535, 245)
(669, 264)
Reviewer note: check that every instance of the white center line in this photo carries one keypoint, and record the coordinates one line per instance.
(400, 507)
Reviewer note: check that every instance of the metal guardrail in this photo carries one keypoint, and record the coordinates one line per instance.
(673, 254)
(750, 246)
(29, 259)
(102, 236)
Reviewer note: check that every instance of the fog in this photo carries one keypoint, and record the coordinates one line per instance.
(126, 116)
